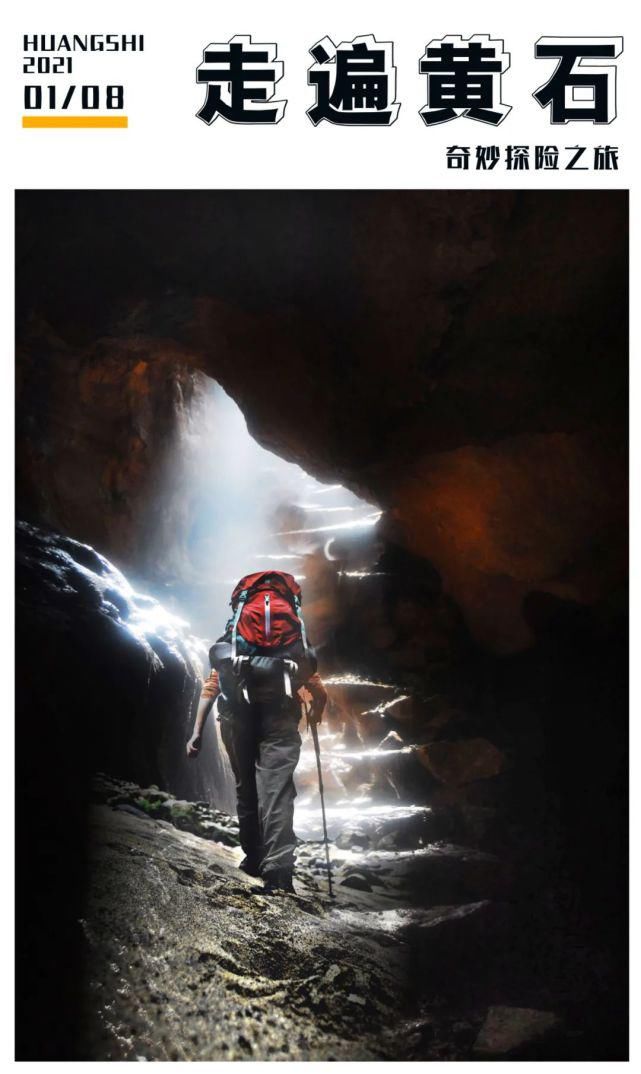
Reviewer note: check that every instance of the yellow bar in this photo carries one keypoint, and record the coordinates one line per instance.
(75, 121)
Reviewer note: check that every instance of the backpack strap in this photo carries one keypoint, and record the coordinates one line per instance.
(303, 632)
(234, 626)
(290, 667)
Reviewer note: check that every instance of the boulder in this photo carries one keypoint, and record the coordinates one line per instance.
(153, 794)
(153, 804)
(199, 820)
(356, 880)
(462, 761)
(353, 837)
(508, 1030)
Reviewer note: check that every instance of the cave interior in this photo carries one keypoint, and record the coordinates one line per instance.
(416, 401)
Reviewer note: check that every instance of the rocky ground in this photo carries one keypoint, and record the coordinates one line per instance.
(414, 957)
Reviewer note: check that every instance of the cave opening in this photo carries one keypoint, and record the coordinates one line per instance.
(247, 509)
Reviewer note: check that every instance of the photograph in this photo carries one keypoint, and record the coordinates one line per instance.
(321, 590)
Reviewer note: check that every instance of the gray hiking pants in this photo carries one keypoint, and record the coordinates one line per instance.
(263, 744)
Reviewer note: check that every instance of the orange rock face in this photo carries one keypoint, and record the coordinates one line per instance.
(102, 434)
(457, 763)
(505, 520)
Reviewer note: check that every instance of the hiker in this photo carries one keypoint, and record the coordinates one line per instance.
(261, 667)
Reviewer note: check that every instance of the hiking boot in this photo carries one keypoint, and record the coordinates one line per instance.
(250, 866)
(278, 880)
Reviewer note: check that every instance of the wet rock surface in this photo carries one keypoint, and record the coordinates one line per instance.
(108, 675)
(189, 962)
(186, 959)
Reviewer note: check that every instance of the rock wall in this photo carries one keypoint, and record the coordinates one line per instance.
(458, 358)
(107, 678)
(105, 439)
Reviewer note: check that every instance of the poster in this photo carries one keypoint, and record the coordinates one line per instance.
(319, 425)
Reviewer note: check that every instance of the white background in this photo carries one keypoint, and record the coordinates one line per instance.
(167, 146)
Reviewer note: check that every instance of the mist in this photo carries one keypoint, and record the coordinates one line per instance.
(250, 510)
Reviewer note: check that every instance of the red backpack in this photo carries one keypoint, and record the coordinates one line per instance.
(267, 613)
(263, 654)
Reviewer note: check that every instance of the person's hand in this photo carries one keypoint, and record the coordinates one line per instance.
(193, 746)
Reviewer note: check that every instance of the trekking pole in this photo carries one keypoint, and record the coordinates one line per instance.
(311, 726)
